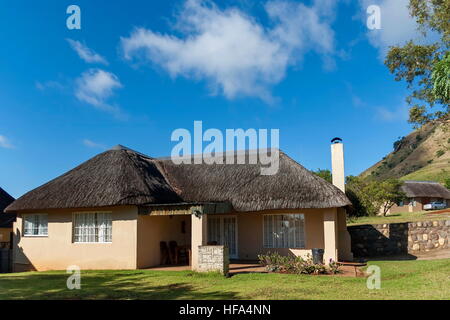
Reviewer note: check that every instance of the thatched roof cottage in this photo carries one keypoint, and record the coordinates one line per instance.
(420, 193)
(115, 210)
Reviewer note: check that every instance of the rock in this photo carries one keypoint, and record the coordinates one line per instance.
(416, 247)
(425, 236)
(435, 223)
(441, 241)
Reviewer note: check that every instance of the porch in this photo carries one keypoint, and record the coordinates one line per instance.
(246, 234)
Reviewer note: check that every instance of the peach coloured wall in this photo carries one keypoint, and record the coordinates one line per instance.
(57, 251)
(250, 233)
(153, 229)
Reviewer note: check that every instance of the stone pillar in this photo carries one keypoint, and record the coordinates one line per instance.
(213, 258)
(199, 235)
(330, 235)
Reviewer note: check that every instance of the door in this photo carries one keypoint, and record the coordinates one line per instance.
(223, 231)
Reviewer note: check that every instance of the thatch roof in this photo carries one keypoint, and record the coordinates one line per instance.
(243, 185)
(115, 177)
(124, 177)
(5, 199)
(6, 219)
(427, 189)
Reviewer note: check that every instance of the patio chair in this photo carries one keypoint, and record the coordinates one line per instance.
(173, 252)
(164, 253)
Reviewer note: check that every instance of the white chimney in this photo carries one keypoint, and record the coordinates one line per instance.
(337, 163)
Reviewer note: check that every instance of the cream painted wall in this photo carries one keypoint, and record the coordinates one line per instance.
(250, 233)
(153, 229)
(57, 251)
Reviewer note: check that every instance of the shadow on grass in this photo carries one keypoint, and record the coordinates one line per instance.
(107, 286)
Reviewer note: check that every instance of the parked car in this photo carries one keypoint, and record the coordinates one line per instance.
(435, 206)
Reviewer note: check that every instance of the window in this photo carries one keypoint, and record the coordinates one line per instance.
(92, 227)
(35, 225)
(284, 231)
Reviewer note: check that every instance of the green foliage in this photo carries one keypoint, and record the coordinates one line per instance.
(440, 153)
(324, 174)
(372, 197)
(447, 183)
(274, 262)
(397, 144)
(441, 79)
(425, 67)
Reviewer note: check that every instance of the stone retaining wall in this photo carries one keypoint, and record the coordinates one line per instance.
(399, 238)
(213, 258)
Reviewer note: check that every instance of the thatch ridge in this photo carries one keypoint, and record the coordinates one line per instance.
(425, 189)
(124, 177)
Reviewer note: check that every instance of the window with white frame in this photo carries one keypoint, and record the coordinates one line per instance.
(92, 227)
(35, 224)
(284, 230)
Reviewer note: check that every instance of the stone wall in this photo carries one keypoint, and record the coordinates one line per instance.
(213, 258)
(399, 238)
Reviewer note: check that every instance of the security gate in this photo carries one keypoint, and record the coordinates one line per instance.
(223, 231)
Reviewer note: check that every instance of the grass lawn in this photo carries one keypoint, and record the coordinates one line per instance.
(398, 217)
(400, 280)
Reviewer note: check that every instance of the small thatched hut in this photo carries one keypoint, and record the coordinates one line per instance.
(114, 210)
(420, 193)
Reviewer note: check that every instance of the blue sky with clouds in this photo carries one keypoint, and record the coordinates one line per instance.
(136, 71)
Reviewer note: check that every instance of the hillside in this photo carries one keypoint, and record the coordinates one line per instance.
(422, 155)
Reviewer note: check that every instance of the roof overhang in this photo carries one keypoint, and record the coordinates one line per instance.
(177, 209)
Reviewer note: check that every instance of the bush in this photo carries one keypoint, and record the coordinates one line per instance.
(274, 262)
(440, 153)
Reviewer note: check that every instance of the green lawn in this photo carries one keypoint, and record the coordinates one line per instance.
(400, 280)
(398, 217)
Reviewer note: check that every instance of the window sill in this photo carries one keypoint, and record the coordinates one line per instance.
(92, 242)
(35, 236)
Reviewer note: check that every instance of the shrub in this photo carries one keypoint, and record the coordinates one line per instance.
(440, 153)
(334, 267)
(274, 262)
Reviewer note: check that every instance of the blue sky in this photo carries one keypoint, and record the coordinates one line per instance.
(138, 70)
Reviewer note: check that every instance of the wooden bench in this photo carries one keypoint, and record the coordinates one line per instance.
(356, 265)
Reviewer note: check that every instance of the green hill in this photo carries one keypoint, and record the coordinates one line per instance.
(422, 155)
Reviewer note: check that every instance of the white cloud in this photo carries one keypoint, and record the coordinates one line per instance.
(5, 143)
(397, 26)
(392, 115)
(49, 85)
(85, 53)
(234, 53)
(92, 144)
(95, 86)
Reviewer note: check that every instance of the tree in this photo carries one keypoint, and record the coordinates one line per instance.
(441, 79)
(447, 183)
(324, 174)
(373, 197)
(423, 66)
(388, 194)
